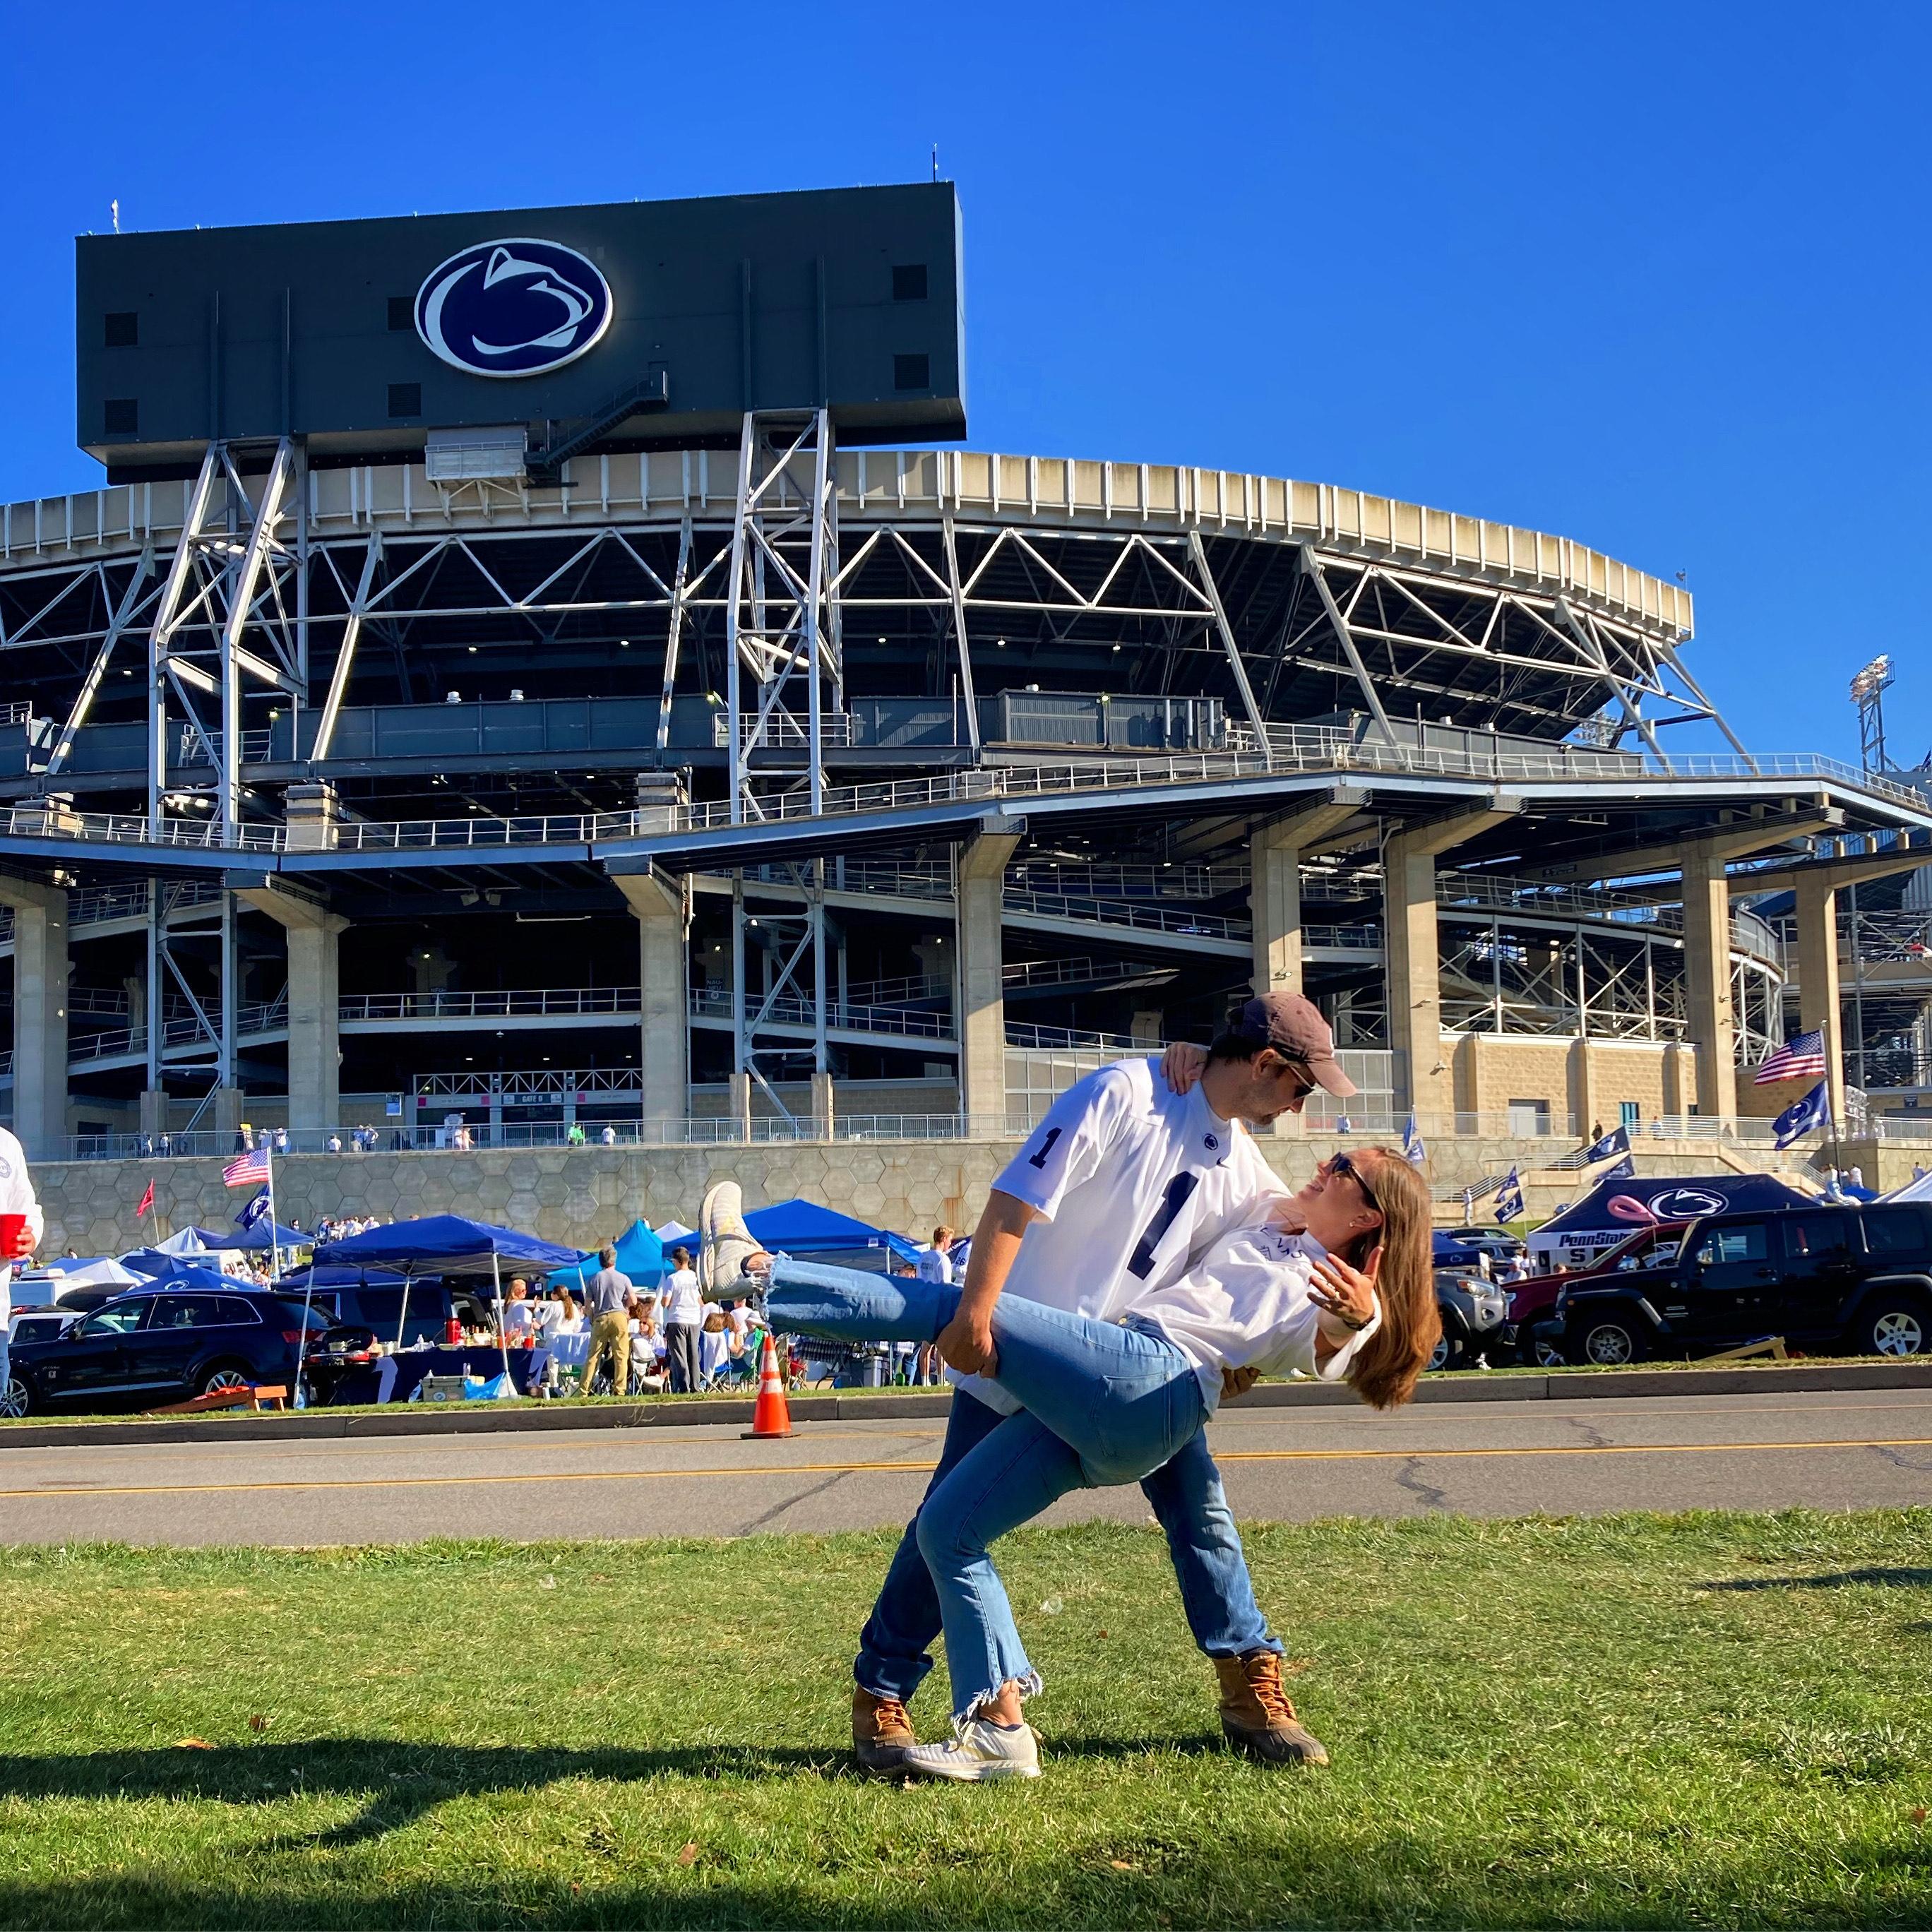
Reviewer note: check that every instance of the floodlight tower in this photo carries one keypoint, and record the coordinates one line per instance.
(1868, 690)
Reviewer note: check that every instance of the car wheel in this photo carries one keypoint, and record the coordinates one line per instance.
(1899, 1327)
(16, 1399)
(223, 1376)
(1608, 1342)
(1539, 1354)
(1443, 1353)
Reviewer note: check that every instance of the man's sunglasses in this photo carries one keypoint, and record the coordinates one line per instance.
(1340, 1163)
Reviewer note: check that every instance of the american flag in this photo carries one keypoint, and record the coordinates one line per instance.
(247, 1170)
(1800, 1058)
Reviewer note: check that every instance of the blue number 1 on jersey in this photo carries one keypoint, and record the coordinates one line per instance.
(1178, 1189)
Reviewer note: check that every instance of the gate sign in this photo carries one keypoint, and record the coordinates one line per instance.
(513, 307)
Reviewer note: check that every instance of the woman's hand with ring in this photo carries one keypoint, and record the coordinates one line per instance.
(1345, 1295)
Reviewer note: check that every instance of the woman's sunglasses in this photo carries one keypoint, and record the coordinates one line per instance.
(1340, 1163)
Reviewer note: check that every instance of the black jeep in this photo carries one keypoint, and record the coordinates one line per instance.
(1854, 1279)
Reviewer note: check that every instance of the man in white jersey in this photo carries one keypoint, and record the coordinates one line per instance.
(1117, 1190)
(16, 1197)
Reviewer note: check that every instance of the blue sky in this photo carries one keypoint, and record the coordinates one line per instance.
(1652, 277)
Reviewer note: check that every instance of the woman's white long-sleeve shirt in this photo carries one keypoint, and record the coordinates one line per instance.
(1246, 1305)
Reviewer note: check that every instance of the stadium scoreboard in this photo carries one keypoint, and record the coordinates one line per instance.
(663, 321)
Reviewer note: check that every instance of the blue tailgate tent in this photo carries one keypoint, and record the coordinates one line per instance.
(797, 1227)
(1588, 1228)
(445, 1244)
(640, 1257)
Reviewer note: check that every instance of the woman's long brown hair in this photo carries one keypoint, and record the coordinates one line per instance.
(1386, 1367)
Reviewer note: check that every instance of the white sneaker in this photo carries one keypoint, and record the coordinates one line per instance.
(724, 1241)
(978, 1753)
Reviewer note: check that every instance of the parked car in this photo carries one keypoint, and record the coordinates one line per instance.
(1859, 1278)
(154, 1345)
(1474, 1312)
(1493, 1242)
(1533, 1301)
(33, 1324)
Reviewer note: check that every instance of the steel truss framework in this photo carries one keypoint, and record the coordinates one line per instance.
(261, 604)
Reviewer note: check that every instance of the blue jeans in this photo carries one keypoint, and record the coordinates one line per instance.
(1105, 1403)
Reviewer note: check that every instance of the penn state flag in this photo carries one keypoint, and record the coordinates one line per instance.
(1616, 1142)
(1509, 1198)
(1413, 1151)
(253, 1210)
(1625, 1170)
(1798, 1119)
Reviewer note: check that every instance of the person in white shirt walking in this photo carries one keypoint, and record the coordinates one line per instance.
(683, 1309)
(1127, 1180)
(16, 1199)
(1334, 1282)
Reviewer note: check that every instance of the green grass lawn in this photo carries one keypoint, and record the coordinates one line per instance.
(1713, 1720)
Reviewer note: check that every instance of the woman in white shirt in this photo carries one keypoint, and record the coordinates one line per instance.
(1334, 1281)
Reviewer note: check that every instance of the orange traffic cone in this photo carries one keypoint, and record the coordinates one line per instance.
(772, 1416)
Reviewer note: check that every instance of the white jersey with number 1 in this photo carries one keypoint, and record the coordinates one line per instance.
(1133, 1183)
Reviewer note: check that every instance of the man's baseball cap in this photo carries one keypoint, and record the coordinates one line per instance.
(1292, 1024)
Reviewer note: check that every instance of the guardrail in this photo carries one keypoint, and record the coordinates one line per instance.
(907, 1022)
(1124, 912)
(974, 785)
(538, 1002)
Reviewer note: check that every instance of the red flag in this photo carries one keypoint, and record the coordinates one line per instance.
(147, 1201)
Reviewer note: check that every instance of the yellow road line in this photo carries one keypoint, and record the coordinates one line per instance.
(767, 1470)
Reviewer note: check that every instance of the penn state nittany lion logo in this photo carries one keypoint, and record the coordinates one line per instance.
(514, 307)
(1686, 1204)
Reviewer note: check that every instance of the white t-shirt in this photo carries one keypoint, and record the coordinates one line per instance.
(16, 1197)
(740, 1321)
(934, 1266)
(1246, 1306)
(1134, 1183)
(683, 1305)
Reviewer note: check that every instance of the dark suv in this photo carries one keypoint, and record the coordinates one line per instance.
(1859, 1278)
(153, 1346)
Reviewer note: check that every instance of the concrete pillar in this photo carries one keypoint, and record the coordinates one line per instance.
(224, 1113)
(315, 1049)
(1274, 904)
(656, 900)
(40, 1015)
(313, 933)
(821, 1105)
(1582, 1086)
(982, 1005)
(1707, 969)
(1274, 894)
(1413, 958)
(311, 811)
(153, 1111)
(1424, 1080)
(1818, 1008)
(741, 1105)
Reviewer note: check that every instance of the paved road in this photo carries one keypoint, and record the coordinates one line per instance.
(1835, 1451)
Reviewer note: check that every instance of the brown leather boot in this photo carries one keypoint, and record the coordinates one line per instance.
(882, 1734)
(1256, 1714)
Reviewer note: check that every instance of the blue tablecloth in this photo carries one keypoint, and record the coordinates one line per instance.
(363, 1383)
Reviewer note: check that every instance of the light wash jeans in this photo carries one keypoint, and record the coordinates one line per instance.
(1105, 1402)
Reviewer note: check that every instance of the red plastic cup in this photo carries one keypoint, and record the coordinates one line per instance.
(13, 1242)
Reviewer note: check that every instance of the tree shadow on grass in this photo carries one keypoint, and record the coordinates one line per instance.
(402, 1780)
(1837, 1580)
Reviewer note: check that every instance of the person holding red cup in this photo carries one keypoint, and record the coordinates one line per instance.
(21, 1227)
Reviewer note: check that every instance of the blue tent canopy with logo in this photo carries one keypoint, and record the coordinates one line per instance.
(1588, 1228)
(797, 1227)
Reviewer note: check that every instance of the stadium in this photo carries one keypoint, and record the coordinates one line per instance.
(662, 748)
